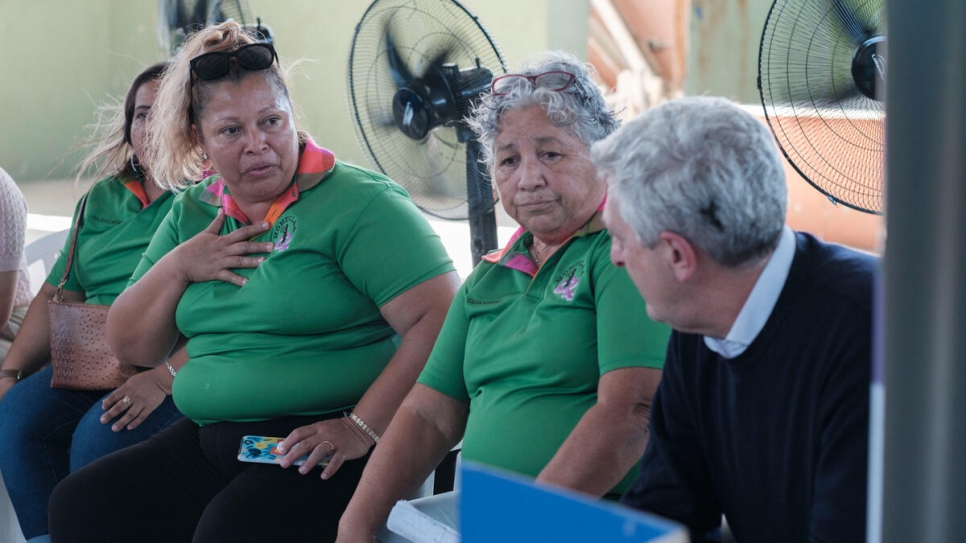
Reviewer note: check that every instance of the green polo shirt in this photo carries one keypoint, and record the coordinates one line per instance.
(115, 231)
(304, 335)
(526, 347)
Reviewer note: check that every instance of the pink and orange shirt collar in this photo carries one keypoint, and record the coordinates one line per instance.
(517, 256)
(137, 189)
(314, 165)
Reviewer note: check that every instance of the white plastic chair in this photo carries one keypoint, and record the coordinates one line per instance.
(9, 527)
(431, 514)
(41, 255)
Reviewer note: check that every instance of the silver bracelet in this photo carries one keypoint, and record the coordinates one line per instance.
(171, 369)
(364, 426)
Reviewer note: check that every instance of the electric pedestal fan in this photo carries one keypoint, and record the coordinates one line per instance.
(415, 67)
(821, 73)
(178, 18)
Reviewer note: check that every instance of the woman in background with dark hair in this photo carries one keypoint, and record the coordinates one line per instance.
(46, 433)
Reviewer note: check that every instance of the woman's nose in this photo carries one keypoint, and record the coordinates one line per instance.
(255, 140)
(531, 174)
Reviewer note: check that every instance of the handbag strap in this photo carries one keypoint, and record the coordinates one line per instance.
(78, 220)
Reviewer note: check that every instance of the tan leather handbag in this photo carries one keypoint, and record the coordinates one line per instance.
(79, 353)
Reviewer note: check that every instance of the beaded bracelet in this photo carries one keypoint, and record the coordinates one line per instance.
(364, 426)
(171, 369)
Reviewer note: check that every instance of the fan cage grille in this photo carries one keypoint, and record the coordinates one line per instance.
(432, 170)
(833, 135)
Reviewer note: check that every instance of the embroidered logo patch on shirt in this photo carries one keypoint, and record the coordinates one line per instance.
(566, 288)
(283, 232)
(567, 282)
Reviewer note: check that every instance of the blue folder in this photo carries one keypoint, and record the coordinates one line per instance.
(497, 506)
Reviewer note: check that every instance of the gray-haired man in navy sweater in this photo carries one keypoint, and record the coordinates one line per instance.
(762, 411)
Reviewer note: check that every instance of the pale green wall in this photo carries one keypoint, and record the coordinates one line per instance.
(70, 54)
(59, 60)
(723, 55)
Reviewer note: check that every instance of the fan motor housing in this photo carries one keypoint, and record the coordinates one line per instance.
(443, 96)
(868, 66)
(472, 83)
(410, 113)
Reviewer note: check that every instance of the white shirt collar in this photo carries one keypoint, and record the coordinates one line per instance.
(760, 303)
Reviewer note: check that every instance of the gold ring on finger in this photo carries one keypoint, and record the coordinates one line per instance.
(331, 447)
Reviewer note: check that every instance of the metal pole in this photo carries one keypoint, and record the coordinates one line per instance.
(924, 483)
(479, 197)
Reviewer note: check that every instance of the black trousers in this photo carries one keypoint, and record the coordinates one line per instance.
(186, 484)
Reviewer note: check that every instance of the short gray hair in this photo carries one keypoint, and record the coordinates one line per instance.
(580, 106)
(700, 167)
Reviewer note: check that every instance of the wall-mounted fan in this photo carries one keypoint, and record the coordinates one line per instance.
(415, 66)
(821, 73)
(178, 18)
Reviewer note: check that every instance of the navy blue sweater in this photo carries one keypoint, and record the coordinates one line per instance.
(777, 437)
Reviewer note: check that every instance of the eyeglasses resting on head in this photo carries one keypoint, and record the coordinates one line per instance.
(217, 64)
(554, 80)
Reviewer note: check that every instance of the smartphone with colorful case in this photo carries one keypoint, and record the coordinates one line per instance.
(264, 450)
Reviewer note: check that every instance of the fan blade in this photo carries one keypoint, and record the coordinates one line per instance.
(401, 74)
(200, 16)
(184, 16)
(440, 58)
(381, 122)
(233, 9)
(179, 18)
(855, 20)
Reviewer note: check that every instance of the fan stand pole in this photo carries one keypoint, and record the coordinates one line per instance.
(479, 198)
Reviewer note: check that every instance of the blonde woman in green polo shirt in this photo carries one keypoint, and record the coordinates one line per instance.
(547, 362)
(309, 291)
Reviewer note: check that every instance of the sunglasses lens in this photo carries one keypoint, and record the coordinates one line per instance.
(506, 83)
(555, 81)
(210, 66)
(258, 56)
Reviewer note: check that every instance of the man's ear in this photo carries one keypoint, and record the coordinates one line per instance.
(682, 256)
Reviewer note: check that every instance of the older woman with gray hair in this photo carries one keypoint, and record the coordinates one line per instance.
(547, 360)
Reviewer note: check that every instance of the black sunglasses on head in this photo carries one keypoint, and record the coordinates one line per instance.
(252, 57)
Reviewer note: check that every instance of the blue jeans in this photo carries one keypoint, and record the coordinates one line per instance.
(47, 433)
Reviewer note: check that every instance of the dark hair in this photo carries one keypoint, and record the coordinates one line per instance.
(108, 149)
(151, 73)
